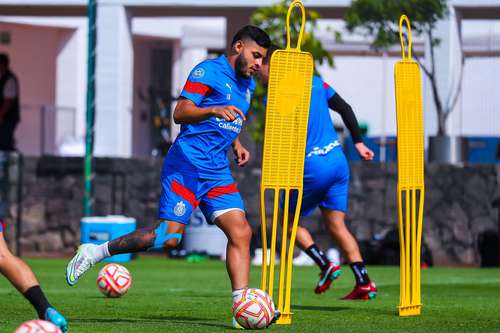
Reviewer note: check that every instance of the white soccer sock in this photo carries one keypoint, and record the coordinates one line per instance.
(237, 294)
(100, 252)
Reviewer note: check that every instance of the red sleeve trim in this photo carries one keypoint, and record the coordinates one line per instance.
(197, 88)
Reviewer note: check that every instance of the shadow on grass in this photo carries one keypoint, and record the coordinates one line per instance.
(320, 308)
(176, 319)
(150, 318)
(153, 319)
(187, 320)
(372, 310)
(204, 324)
(191, 295)
(105, 320)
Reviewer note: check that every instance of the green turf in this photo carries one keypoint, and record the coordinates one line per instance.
(176, 296)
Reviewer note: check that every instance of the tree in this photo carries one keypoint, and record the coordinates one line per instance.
(380, 20)
(272, 19)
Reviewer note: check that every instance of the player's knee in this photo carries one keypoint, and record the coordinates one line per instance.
(241, 233)
(337, 226)
(4, 260)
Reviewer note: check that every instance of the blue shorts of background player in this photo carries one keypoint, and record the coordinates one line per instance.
(326, 183)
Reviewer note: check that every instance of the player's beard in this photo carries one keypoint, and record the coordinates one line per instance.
(241, 66)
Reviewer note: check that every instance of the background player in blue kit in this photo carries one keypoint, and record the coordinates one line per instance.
(326, 184)
(211, 110)
(21, 276)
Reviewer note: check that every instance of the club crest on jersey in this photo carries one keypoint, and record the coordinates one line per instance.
(198, 73)
(180, 209)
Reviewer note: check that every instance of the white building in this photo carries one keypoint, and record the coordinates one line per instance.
(145, 49)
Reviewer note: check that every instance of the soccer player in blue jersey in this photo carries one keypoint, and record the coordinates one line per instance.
(211, 111)
(22, 277)
(326, 184)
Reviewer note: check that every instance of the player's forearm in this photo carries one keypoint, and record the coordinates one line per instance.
(236, 142)
(187, 113)
(337, 104)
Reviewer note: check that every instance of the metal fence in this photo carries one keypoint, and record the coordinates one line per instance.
(44, 129)
(11, 179)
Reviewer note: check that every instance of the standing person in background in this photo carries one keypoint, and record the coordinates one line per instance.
(9, 104)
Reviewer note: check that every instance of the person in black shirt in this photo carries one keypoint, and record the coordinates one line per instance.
(9, 104)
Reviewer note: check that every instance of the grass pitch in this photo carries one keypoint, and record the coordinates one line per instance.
(176, 296)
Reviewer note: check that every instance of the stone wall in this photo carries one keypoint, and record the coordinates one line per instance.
(459, 211)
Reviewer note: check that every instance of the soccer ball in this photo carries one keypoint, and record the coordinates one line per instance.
(38, 326)
(254, 310)
(114, 280)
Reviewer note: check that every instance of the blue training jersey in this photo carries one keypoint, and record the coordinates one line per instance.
(321, 134)
(201, 148)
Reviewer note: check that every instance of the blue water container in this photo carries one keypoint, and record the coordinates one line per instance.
(482, 149)
(100, 229)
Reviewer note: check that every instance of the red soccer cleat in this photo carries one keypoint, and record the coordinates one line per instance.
(326, 277)
(365, 292)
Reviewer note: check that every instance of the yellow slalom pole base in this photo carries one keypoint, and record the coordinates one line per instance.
(410, 310)
(285, 319)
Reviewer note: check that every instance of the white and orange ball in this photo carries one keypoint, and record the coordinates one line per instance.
(254, 310)
(38, 326)
(114, 280)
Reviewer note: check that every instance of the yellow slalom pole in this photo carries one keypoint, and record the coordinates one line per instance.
(289, 262)
(415, 262)
(284, 241)
(419, 239)
(287, 114)
(408, 245)
(402, 252)
(274, 236)
(263, 231)
(410, 138)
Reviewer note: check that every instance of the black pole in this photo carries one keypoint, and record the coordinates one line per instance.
(19, 203)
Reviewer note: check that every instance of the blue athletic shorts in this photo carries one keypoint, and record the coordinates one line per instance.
(183, 192)
(326, 183)
(1, 226)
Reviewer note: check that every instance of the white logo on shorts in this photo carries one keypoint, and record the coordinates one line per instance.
(180, 209)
